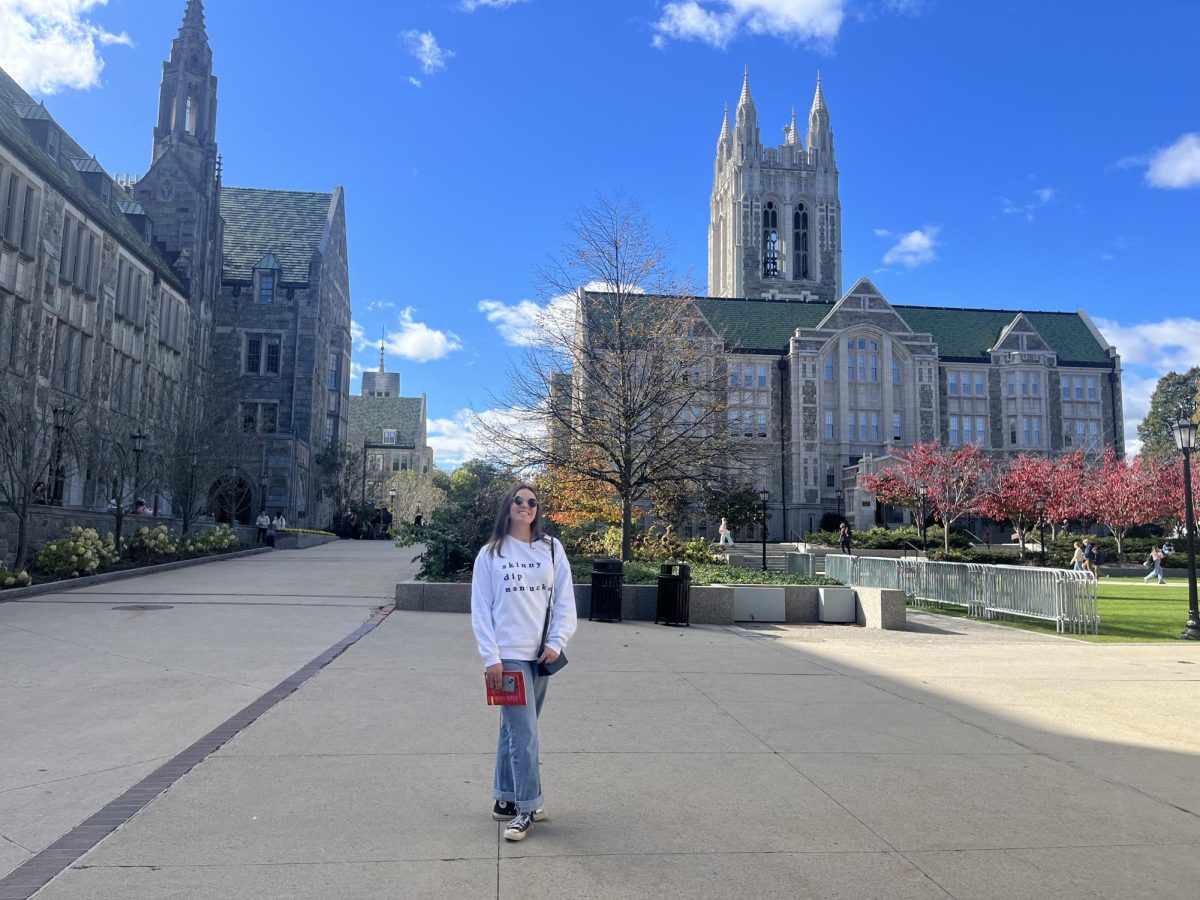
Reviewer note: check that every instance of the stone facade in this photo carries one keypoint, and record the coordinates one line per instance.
(390, 430)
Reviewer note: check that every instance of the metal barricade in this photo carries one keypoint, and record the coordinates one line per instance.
(839, 567)
(876, 572)
(801, 564)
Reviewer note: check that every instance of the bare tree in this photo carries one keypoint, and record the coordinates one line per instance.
(625, 376)
(42, 431)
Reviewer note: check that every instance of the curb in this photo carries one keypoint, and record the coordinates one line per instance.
(69, 584)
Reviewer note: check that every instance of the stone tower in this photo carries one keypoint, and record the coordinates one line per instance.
(181, 194)
(775, 220)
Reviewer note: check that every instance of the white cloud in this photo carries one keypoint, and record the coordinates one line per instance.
(50, 45)
(1041, 197)
(356, 370)
(380, 304)
(912, 249)
(460, 438)
(425, 49)
(1170, 344)
(525, 324)
(1177, 166)
(717, 22)
(472, 5)
(413, 340)
(414, 81)
(418, 342)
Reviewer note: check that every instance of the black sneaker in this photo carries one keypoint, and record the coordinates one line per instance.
(506, 809)
(518, 827)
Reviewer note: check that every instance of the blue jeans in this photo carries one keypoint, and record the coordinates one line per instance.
(517, 778)
(1156, 572)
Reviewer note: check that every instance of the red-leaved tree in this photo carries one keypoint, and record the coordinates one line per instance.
(955, 479)
(1013, 493)
(1122, 495)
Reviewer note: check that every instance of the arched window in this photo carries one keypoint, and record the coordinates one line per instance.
(770, 241)
(189, 121)
(800, 243)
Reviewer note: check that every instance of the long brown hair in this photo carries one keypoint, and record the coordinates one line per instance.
(504, 519)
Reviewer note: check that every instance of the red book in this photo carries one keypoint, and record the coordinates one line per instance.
(512, 692)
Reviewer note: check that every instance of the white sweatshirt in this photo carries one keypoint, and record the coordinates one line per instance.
(509, 596)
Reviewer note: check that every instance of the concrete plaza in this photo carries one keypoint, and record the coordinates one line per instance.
(956, 759)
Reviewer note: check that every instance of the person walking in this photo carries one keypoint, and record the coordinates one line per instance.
(263, 522)
(1077, 558)
(1089, 556)
(726, 537)
(280, 521)
(523, 614)
(845, 532)
(1155, 561)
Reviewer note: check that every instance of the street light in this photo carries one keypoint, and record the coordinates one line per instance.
(1184, 432)
(62, 420)
(264, 483)
(838, 493)
(923, 494)
(1041, 511)
(764, 495)
(138, 438)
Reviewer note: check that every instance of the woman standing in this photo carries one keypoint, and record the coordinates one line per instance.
(1077, 558)
(518, 575)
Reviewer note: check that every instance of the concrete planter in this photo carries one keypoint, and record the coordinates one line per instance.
(302, 541)
(837, 604)
(758, 602)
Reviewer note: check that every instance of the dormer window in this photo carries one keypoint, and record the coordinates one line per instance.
(266, 279)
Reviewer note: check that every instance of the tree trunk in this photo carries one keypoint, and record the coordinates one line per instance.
(946, 535)
(22, 539)
(626, 528)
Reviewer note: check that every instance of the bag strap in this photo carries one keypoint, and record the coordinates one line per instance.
(550, 604)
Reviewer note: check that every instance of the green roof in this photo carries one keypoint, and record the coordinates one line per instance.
(958, 333)
(63, 176)
(290, 224)
(371, 415)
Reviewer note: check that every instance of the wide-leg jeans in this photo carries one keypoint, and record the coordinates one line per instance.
(517, 779)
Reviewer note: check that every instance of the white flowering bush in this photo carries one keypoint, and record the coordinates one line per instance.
(211, 540)
(149, 544)
(80, 551)
(14, 579)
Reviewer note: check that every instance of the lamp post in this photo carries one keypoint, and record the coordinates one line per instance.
(263, 484)
(138, 441)
(923, 494)
(62, 418)
(764, 495)
(193, 461)
(838, 493)
(1184, 432)
(1041, 513)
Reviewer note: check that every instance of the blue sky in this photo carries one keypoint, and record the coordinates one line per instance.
(992, 154)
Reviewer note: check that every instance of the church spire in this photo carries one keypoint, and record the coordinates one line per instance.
(746, 122)
(193, 17)
(382, 338)
(724, 137)
(792, 132)
(820, 135)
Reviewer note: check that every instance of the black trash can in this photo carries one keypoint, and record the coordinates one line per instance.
(674, 595)
(608, 575)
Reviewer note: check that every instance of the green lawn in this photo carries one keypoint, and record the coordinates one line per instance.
(1130, 610)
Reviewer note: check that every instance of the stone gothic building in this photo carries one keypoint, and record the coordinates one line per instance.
(823, 386)
(155, 291)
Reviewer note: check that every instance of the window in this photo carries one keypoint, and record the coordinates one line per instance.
(330, 427)
(395, 464)
(1012, 430)
(980, 430)
(748, 424)
(800, 242)
(829, 476)
(64, 254)
(829, 368)
(829, 424)
(1091, 388)
(249, 417)
(26, 216)
(895, 372)
(762, 376)
(735, 419)
(1094, 434)
(266, 417)
(734, 375)
(952, 384)
(262, 353)
(954, 429)
(875, 426)
(968, 430)
(1012, 386)
(266, 287)
(1078, 382)
(1034, 384)
(1037, 431)
(389, 435)
(1066, 388)
(260, 417)
(770, 241)
(980, 389)
(10, 207)
(895, 426)
(1024, 384)
(762, 424)
(334, 380)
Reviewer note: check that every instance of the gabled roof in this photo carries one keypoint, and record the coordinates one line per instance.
(289, 224)
(964, 334)
(371, 415)
(16, 105)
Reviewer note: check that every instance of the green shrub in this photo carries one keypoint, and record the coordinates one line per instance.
(211, 540)
(149, 544)
(80, 551)
(892, 538)
(14, 579)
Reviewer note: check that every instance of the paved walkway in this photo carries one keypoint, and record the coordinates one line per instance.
(956, 760)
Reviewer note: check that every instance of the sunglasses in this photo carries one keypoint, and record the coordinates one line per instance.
(521, 501)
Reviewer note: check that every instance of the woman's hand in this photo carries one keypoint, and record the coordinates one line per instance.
(549, 655)
(494, 676)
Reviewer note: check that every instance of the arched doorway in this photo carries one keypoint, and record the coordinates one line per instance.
(221, 495)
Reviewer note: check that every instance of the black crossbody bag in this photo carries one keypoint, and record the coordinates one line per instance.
(549, 668)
